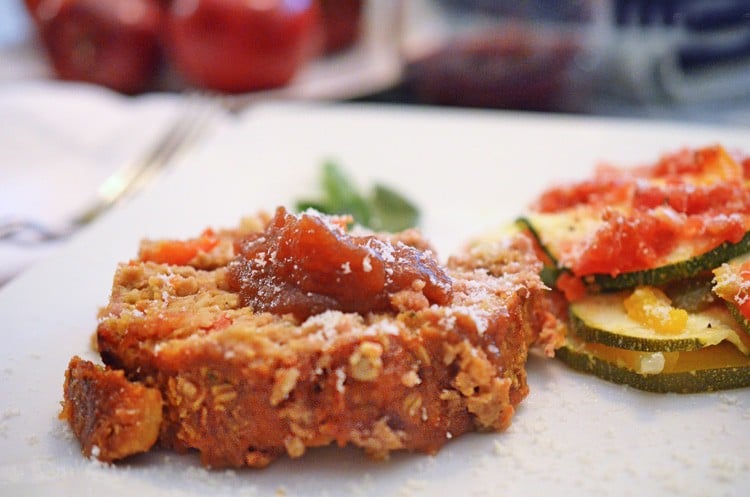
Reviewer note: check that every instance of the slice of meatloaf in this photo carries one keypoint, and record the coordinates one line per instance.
(244, 386)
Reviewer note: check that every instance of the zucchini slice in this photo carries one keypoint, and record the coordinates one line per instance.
(602, 319)
(681, 264)
(716, 367)
(558, 232)
(550, 272)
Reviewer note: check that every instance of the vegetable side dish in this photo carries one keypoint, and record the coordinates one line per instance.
(294, 331)
(641, 256)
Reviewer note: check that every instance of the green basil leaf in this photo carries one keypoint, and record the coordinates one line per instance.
(341, 195)
(391, 210)
(383, 210)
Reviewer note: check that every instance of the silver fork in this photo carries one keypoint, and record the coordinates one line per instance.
(192, 121)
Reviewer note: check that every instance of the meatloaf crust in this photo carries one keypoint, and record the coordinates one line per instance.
(245, 387)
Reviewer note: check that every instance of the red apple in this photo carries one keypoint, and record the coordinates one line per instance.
(342, 23)
(241, 45)
(31, 7)
(114, 43)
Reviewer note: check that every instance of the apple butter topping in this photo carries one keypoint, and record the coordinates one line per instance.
(308, 263)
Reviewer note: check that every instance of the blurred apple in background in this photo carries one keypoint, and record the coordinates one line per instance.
(342, 23)
(241, 45)
(31, 6)
(230, 46)
(114, 43)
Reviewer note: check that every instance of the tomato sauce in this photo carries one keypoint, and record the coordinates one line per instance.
(649, 211)
(307, 264)
(607, 187)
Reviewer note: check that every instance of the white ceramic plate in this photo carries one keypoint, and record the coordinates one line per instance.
(470, 171)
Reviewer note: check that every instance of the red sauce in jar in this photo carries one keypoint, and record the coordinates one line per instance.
(649, 211)
(308, 264)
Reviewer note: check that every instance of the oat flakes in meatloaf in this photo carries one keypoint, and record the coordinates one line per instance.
(443, 353)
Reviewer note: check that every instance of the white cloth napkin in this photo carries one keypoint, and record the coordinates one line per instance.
(58, 143)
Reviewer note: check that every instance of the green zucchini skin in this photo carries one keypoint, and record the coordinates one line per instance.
(737, 315)
(655, 276)
(671, 272)
(708, 380)
(526, 224)
(613, 339)
(549, 274)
